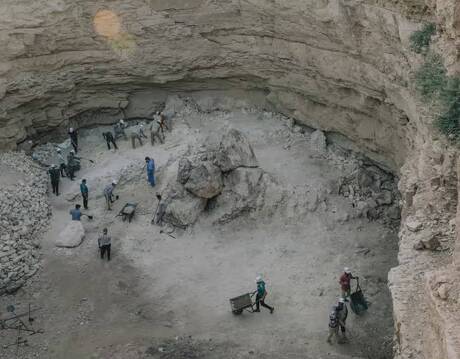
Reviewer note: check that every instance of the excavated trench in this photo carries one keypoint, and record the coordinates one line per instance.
(342, 67)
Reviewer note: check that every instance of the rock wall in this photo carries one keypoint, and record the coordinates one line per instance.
(342, 66)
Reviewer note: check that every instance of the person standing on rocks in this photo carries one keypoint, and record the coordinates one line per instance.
(261, 293)
(108, 194)
(345, 282)
(84, 193)
(150, 170)
(73, 134)
(61, 160)
(76, 213)
(54, 176)
(105, 244)
(72, 164)
(108, 136)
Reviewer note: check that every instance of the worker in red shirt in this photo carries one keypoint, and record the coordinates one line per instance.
(344, 281)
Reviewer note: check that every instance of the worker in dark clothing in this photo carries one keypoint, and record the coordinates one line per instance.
(108, 136)
(61, 160)
(84, 193)
(73, 134)
(260, 296)
(345, 282)
(76, 213)
(105, 244)
(54, 176)
(72, 164)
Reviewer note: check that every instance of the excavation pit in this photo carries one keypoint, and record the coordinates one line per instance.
(165, 293)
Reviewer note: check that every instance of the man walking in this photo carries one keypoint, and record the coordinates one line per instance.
(105, 244)
(345, 282)
(76, 213)
(260, 296)
(333, 325)
(108, 136)
(72, 164)
(342, 314)
(61, 160)
(73, 134)
(108, 194)
(150, 170)
(84, 193)
(54, 176)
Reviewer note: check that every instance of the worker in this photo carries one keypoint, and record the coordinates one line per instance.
(61, 160)
(76, 213)
(161, 119)
(73, 134)
(136, 133)
(108, 194)
(150, 170)
(119, 130)
(156, 132)
(261, 294)
(109, 139)
(84, 193)
(333, 325)
(104, 242)
(73, 164)
(342, 314)
(345, 284)
(54, 176)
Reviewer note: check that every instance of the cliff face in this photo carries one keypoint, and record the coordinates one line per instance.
(339, 65)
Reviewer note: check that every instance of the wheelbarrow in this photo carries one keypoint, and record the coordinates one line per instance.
(358, 302)
(241, 303)
(127, 212)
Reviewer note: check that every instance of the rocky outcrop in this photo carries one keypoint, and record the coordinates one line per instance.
(24, 214)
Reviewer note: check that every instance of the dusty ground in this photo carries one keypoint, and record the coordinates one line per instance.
(164, 297)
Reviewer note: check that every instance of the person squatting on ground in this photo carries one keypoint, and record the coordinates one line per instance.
(54, 176)
(73, 134)
(105, 244)
(61, 160)
(261, 294)
(150, 170)
(76, 213)
(109, 139)
(72, 164)
(345, 282)
(156, 132)
(108, 194)
(84, 193)
(136, 133)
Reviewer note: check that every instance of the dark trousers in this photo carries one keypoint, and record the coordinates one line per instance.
(55, 185)
(104, 249)
(261, 302)
(75, 145)
(113, 142)
(71, 172)
(85, 200)
(62, 169)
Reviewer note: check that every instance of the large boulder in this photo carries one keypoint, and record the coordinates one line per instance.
(183, 208)
(205, 180)
(235, 151)
(184, 170)
(71, 236)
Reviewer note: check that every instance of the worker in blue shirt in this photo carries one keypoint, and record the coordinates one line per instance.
(261, 294)
(84, 193)
(150, 170)
(76, 213)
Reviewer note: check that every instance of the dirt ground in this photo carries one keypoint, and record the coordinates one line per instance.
(165, 297)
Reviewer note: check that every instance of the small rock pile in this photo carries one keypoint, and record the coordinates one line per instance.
(24, 214)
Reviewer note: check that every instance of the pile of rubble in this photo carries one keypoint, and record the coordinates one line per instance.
(24, 213)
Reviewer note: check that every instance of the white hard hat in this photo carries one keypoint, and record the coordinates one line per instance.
(347, 270)
(121, 121)
(53, 166)
(259, 278)
(114, 182)
(71, 129)
(72, 151)
(342, 300)
(58, 150)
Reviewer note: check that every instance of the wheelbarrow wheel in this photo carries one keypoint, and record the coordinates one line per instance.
(237, 312)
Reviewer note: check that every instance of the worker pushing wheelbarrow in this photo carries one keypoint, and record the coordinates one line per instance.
(244, 302)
